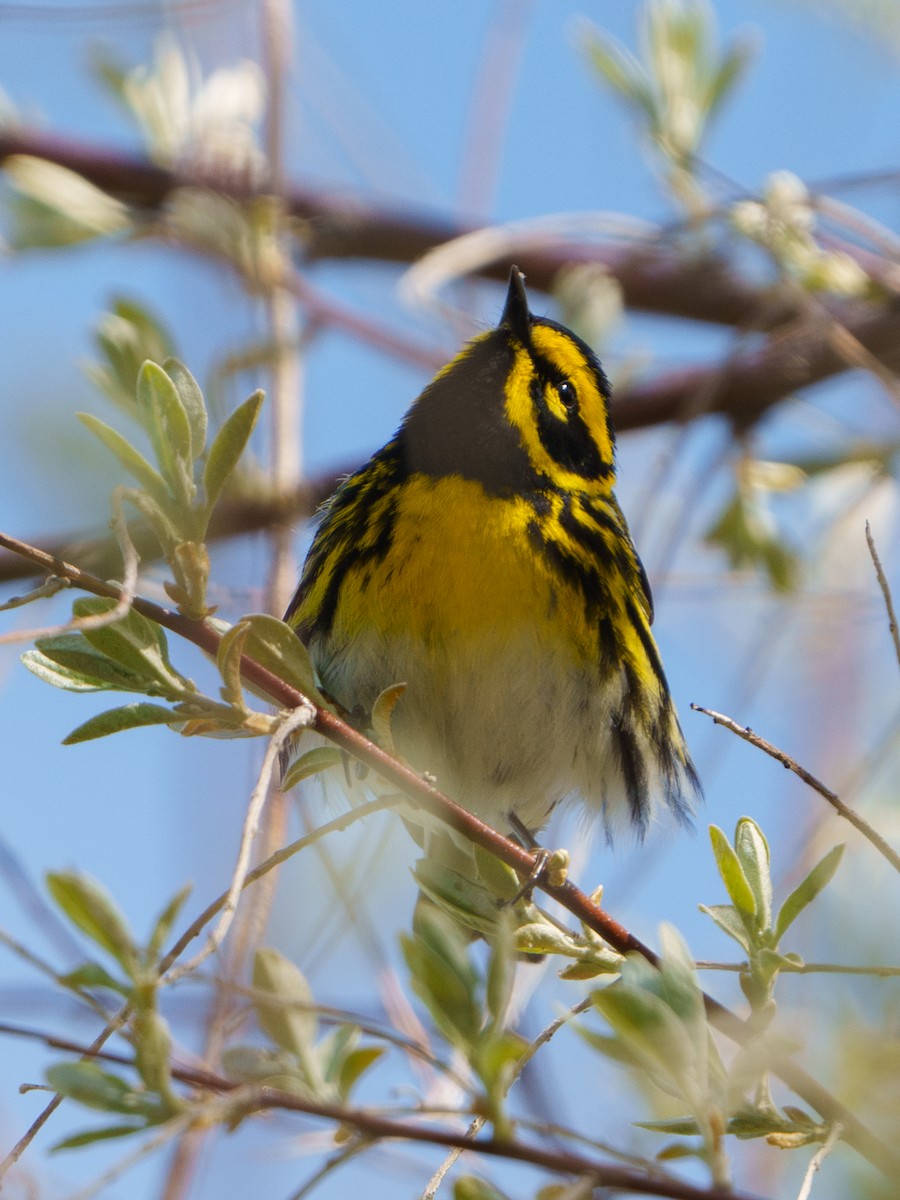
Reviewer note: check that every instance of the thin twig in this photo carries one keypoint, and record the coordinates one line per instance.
(237, 1099)
(431, 1188)
(885, 591)
(834, 1135)
(124, 594)
(164, 1134)
(194, 930)
(299, 718)
(274, 860)
(807, 968)
(842, 809)
(434, 802)
(46, 1113)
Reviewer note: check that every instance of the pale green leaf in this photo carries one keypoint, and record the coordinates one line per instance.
(322, 758)
(162, 927)
(152, 1054)
(752, 849)
(470, 1187)
(807, 890)
(104, 1134)
(130, 457)
(732, 873)
(192, 401)
(443, 976)
(228, 660)
(731, 67)
(354, 1065)
(67, 661)
(275, 646)
(288, 1017)
(501, 973)
(91, 908)
(164, 418)
(229, 445)
(115, 720)
(93, 975)
(87, 1083)
(135, 643)
(729, 921)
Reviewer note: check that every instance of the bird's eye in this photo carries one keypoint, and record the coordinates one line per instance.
(568, 395)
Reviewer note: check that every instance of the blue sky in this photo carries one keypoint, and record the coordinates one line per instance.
(379, 103)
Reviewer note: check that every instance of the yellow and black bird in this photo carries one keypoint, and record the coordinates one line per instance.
(481, 558)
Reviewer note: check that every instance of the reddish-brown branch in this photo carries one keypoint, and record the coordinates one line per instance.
(654, 278)
(435, 802)
(375, 1126)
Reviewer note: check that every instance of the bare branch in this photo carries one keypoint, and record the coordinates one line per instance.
(885, 591)
(204, 635)
(842, 809)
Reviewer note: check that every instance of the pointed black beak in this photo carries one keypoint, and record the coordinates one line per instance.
(516, 316)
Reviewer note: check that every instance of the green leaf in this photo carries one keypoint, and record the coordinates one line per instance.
(622, 72)
(103, 1134)
(228, 660)
(354, 1065)
(334, 1048)
(749, 540)
(732, 66)
(686, 1126)
(229, 445)
(129, 456)
(164, 418)
(729, 921)
(92, 910)
(500, 879)
(443, 976)
(276, 647)
(589, 968)
(192, 400)
(135, 643)
(152, 1052)
(67, 661)
(752, 849)
(256, 1064)
(288, 1018)
(322, 758)
(501, 973)
(676, 1150)
(162, 927)
(92, 975)
(650, 1032)
(463, 898)
(89, 1084)
(806, 891)
(732, 873)
(494, 1057)
(115, 720)
(678, 983)
(126, 336)
(470, 1187)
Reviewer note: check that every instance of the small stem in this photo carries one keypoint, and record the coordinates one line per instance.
(885, 591)
(849, 814)
(202, 634)
(834, 1134)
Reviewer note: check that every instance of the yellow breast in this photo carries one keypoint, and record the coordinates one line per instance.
(459, 565)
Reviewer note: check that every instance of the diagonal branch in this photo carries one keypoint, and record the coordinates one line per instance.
(654, 278)
(202, 634)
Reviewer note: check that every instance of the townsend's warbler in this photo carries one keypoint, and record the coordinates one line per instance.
(481, 558)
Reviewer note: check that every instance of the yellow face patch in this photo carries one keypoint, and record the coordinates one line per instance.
(587, 417)
(558, 348)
